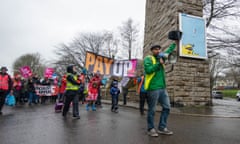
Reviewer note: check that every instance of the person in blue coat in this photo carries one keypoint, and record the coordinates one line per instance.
(114, 91)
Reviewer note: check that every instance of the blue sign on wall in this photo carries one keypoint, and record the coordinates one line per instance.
(193, 42)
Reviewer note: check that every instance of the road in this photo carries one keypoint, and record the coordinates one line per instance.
(39, 124)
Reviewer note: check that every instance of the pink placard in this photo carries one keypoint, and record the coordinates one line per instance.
(132, 72)
(25, 71)
(48, 72)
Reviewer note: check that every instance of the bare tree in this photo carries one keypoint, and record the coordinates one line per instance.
(221, 35)
(34, 61)
(66, 56)
(111, 45)
(233, 74)
(222, 38)
(233, 68)
(129, 33)
(220, 9)
(74, 53)
(216, 67)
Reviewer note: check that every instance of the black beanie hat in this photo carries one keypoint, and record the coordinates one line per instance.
(155, 46)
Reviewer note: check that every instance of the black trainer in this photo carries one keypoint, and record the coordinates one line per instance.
(77, 117)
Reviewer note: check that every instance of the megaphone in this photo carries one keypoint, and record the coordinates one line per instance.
(175, 35)
(169, 58)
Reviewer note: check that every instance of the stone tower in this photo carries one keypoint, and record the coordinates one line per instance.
(189, 83)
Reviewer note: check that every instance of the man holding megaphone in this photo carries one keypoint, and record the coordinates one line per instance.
(171, 57)
(168, 57)
(155, 84)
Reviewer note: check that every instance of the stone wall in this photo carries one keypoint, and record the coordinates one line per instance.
(132, 96)
(188, 83)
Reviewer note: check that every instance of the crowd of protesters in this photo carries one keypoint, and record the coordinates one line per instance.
(24, 89)
(71, 88)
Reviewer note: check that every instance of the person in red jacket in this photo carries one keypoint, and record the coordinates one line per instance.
(93, 91)
(5, 86)
(62, 88)
(81, 79)
(98, 79)
(17, 88)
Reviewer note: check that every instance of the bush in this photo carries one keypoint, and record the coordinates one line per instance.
(230, 93)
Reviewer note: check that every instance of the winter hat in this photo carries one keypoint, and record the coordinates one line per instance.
(155, 47)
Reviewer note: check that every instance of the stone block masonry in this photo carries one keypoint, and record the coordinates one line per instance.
(188, 84)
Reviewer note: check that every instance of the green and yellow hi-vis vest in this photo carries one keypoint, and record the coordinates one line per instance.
(148, 77)
(71, 86)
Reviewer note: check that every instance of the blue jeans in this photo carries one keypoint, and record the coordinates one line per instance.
(32, 97)
(114, 102)
(155, 97)
(143, 98)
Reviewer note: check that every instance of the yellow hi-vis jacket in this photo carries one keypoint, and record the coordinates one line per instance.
(148, 77)
(71, 86)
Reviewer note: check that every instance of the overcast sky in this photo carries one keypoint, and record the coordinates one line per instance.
(30, 26)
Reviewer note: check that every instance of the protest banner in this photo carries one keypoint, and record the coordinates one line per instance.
(46, 90)
(106, 66)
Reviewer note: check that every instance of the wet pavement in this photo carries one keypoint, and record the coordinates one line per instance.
(39, 124)
(227, 107)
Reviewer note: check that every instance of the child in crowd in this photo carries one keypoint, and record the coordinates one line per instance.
(92, 96)
(114, 91)
(93, 91)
